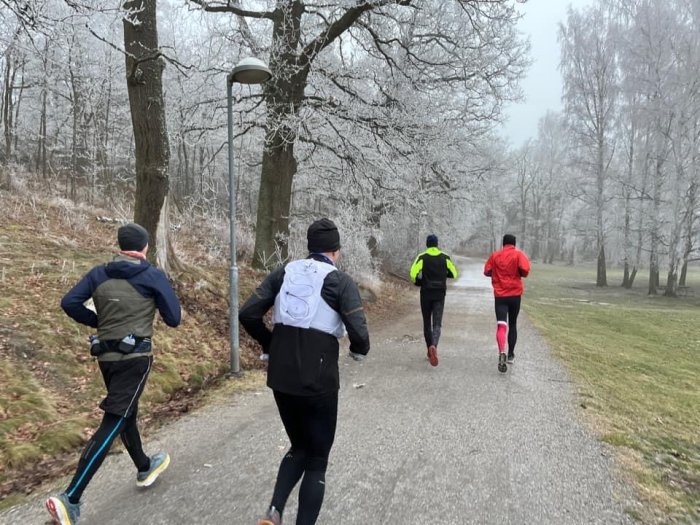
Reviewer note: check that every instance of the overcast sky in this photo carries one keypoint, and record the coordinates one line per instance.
(542, 85)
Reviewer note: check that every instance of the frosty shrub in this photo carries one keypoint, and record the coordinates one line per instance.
(14, 178)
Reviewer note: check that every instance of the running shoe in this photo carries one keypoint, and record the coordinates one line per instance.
(502, 366)
(159, 463)
(432, 355)
(62, 511)
(511, 359)
(271, 517)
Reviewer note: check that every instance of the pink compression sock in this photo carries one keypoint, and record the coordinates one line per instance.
(501, 332)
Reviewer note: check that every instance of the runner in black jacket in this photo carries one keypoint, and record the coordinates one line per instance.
(314, 303)
(430, 271)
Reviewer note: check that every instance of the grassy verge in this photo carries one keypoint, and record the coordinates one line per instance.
(635, 361)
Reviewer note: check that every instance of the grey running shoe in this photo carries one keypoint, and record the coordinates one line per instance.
(502, 366)
(159, 463)
(62, 511)
(271, 517)
(511, 359)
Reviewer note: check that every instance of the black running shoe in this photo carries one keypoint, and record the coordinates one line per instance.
(502, 366)
(511, 359)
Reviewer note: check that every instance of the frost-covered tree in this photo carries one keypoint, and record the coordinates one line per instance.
(337, 62)
(589, 71)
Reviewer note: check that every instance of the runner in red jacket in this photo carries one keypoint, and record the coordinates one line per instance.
(507, 267)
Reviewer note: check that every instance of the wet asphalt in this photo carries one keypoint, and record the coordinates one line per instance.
(460, 443)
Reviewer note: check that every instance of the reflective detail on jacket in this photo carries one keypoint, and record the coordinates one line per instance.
(431, 269)
(299, 301)
(507, 267)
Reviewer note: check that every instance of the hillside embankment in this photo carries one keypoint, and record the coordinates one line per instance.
(50, 387)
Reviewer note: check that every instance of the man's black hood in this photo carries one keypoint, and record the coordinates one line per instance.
(125, 267)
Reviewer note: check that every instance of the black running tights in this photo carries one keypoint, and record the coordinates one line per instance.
(310, 424)
(97, 448)
(507, 309)
(432, 309)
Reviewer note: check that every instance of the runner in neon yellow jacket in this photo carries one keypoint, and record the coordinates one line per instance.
(430, 271)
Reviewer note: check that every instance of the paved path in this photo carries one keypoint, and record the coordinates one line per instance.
(416, 445)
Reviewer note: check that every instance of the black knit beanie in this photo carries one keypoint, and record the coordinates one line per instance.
(132, 237)
(431, 241)
(508, 239)
(323, 236)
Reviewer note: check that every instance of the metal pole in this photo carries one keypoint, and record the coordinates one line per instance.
(233, 271)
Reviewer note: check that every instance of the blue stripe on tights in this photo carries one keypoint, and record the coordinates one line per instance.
(87, 468)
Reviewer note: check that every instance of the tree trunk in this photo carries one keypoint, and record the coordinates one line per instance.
(535, 248)
(77, 129)
(602, 279)
(274, 200)
(105, 179)
(684, 274)
(283, 96)
(655, 240)
(7, 107)
(675, 252)
(523, 218)
(375, 222)
(628, 211)
(653, 273)
(601, 275)
(626, 275)
(18, 105)
(656, 218)
(144, 72)
(630, 274)
(41, 153)
(690, 217)
(166, 258)
(671, 284)
(640, 216)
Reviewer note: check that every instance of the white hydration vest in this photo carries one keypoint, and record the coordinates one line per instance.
(299, 302)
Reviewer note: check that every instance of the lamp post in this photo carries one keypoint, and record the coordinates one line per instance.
(247, 71)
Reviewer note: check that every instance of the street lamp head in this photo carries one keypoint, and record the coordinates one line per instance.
(250, 71)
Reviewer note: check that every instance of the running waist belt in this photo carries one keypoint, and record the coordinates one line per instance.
(128, 345)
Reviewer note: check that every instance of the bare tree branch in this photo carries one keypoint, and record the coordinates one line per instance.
(228, 7)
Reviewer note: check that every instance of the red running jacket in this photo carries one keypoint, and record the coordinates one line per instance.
(507, 267)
